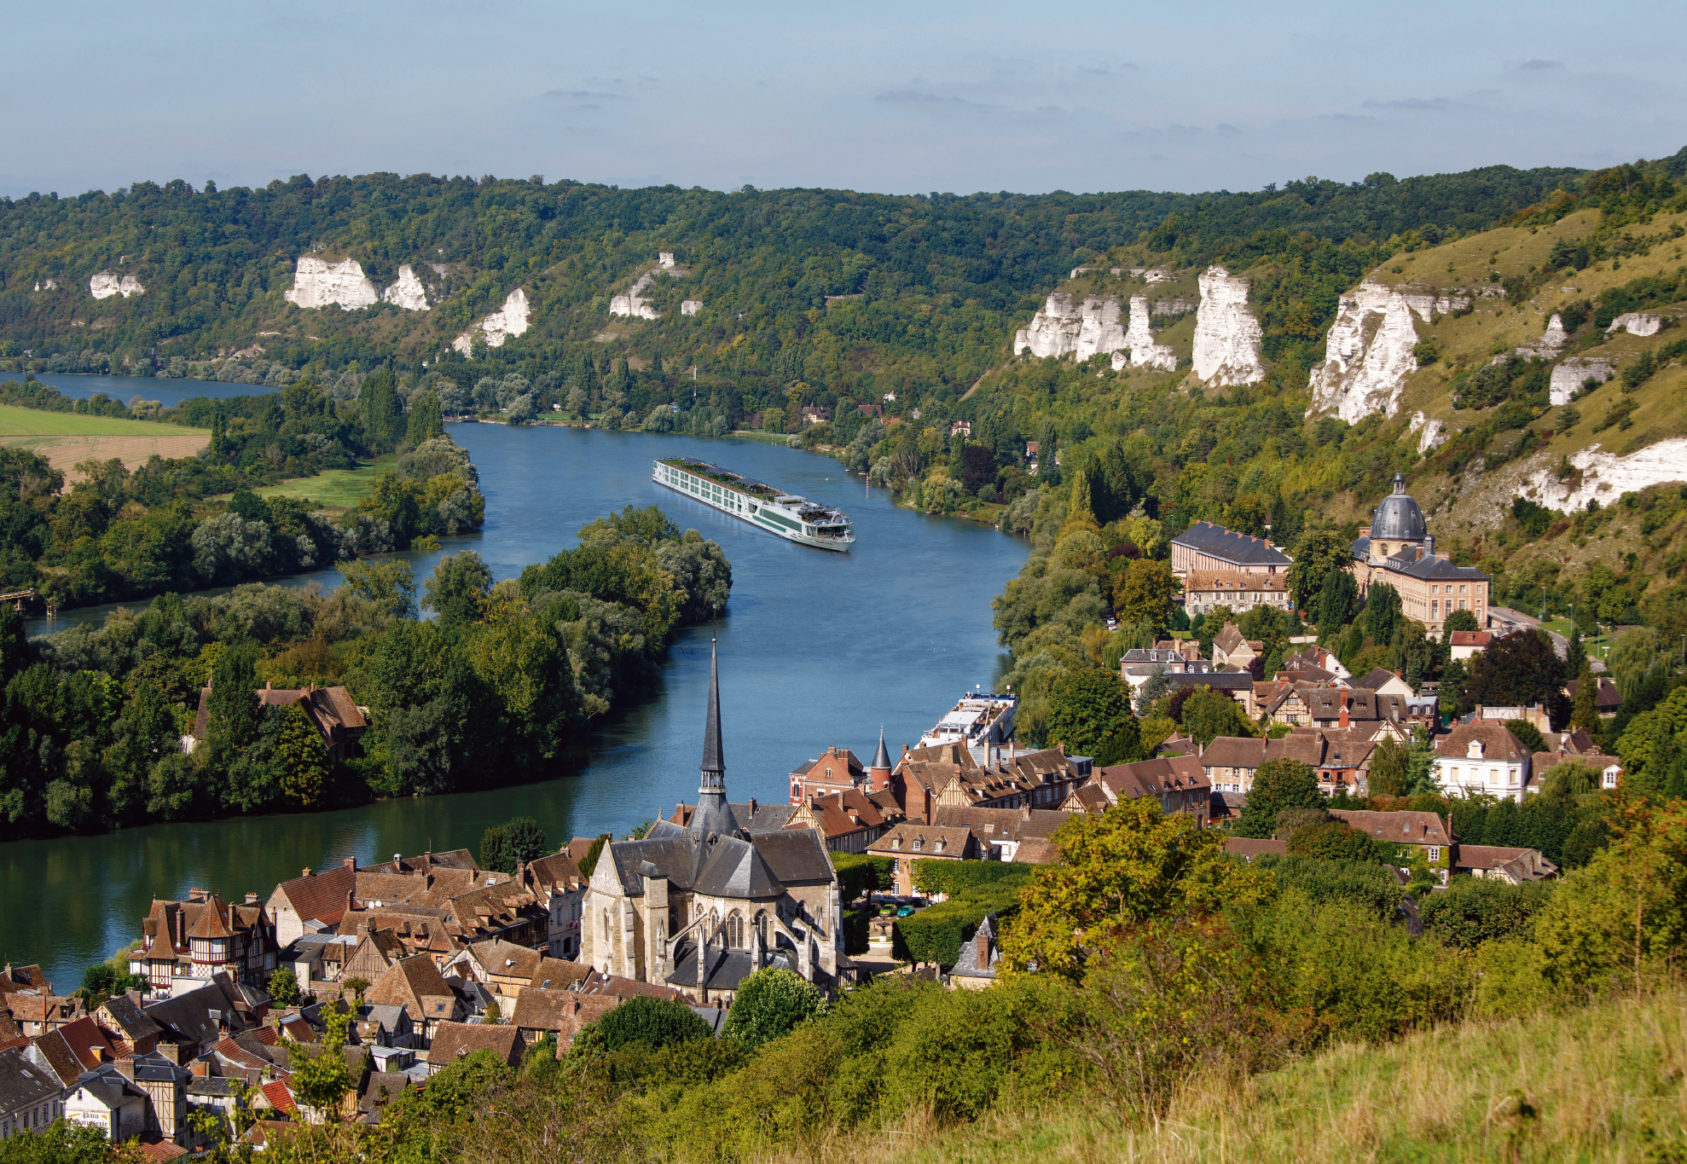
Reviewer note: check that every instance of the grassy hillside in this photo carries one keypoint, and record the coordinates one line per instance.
(1605, 1083)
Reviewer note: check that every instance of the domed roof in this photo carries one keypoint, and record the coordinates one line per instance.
(1398, 518)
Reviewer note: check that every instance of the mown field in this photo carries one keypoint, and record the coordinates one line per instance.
(332, 488)
(68, 438)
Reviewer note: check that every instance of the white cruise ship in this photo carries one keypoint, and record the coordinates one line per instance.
(793, 518)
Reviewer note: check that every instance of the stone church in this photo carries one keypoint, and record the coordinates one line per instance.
(1397, 549)
(701, 906)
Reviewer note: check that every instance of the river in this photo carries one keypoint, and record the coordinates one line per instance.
(817, 648)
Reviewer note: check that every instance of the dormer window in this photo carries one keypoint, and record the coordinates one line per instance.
(896, 842)
(1475, 752)
(938, 847)
(919, 843)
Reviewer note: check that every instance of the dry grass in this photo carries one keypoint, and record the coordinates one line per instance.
(64, 453)
(1605, 1083)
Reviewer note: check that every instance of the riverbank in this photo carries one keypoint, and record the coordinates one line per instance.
(798, 622)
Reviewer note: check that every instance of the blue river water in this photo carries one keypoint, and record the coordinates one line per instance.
(817, 648)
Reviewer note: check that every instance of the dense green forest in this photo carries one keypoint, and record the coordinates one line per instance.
(491, 689)
(190, 522)
(940, 278)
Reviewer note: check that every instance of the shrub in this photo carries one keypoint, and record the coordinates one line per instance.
(858, 873)
(771, 1003)
(1333, 841)
(935, 875)
(1475, 910)
(652, 1022)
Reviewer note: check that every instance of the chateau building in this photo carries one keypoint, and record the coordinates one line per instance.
(1398, 550)
(1205, 546)
(700, 906)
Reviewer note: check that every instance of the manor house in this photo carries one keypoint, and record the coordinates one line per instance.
(1398, 550)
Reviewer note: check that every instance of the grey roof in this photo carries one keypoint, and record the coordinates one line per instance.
(724, 970)
(132, 1022)
(966, 965)
(188, 1017)
(752, 865)
(1229, 546)
(713, 816)
(1217, 680)
(881, 758)
(1432, 569)
(714, 759)
(1398, 517)
(795, 856)
(22, 1083)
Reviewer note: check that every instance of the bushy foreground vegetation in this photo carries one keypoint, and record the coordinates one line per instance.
(1165, 970)
(489, 690)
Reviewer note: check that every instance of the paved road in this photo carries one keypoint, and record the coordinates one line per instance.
(1505, 620)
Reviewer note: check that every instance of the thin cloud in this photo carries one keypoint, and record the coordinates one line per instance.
(1538, 65)
(1413, 105)
(925, 97)
(581, 95)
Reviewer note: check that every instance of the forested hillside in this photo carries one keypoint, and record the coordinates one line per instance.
(940, 279)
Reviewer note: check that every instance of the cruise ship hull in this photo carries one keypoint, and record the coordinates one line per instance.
(796, 519)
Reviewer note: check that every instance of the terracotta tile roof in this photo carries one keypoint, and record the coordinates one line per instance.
(320, 896)
(1462, 638)
(1037, 851)
(922, 840)
(1154, 777)
(452, 1041)
(1012, 824)
(159, 1150)
(1406, 828)
(1226, 581)
(415, 982)
(1518, 864)
(279, 1097)
(557, 872)
(619, 987)
(1497, 742)
(560, 1012)
(1248, 848)
(1606, 698)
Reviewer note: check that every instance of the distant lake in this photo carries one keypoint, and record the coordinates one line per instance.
(817, 648)
(169, 393)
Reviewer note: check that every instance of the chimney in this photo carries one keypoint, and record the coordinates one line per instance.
(251, 898)
(1342, 722)
(350, 863)
(982, 941)
(752, 806)
(196, 895)
(306, 872)
(170, 1051)
(126, 1068)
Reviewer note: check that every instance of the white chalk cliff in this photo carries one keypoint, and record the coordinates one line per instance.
(1431, 433)
(1569, 377)
(1637, 323)
(105, 284)
(1604, 477)
(1368, 353)
(690, 306)
(318, 283)
(509, 320)
(408, 292)
(1063, 328)
(1142, 351)
(1227, 336)
(633, 302)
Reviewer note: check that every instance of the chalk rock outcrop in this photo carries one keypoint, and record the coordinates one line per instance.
(1227, 336)
(1573, 374)
(633, 302)
(105, 284)
(665, 260)
(509, 320)
(53, 285)
(1063, 328)
(318, 283)
(1141, 350)
(408, 292)
(1150, 274)
(1637, 323)
(1432, 434)
(1368, 353)
(690, 306)
(1604, 477)
(1178, 306)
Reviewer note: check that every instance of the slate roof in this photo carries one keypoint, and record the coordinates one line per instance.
(1397, 517)
(1606, 698)
(1241, 549)
(1233, 581)
(1217, 680)
(758, 865)
(1414, 563)
(124, 1014)
(967, 963)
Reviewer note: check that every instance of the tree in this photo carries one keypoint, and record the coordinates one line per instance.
(1208, 714)
(303, 758)
(1119, 871)
(652, 1022)
(283, 987)
(1335, 602)
(1526, 733)
(1584, 712)
(320, 1077)
(1517, 670)
(1278, 785)
(515, 842)
(390, 586)
(1458, 620)
(458, 589)
(1317, 555)
(1388, 772)
(426, 420)
(1382, 612)
(1332, 840)
(1089, 712)
(1145, 593)
(235, 714)
(770, 1003)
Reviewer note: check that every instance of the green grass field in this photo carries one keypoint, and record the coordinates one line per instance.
(67, 439)
(34, 422)
(332, 489)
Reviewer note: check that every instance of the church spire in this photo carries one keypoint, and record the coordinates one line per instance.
(714, 764)
(713, 815)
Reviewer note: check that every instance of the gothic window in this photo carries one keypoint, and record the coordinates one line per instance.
(735, 932)
(606, 926)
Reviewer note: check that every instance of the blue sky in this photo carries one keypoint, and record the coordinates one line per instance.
(876, 96)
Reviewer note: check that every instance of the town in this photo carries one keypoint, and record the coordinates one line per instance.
(403, 966)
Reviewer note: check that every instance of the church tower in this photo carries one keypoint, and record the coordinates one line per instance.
(878, 776)
(713, 816)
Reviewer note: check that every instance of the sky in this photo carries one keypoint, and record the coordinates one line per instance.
(891, 97)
